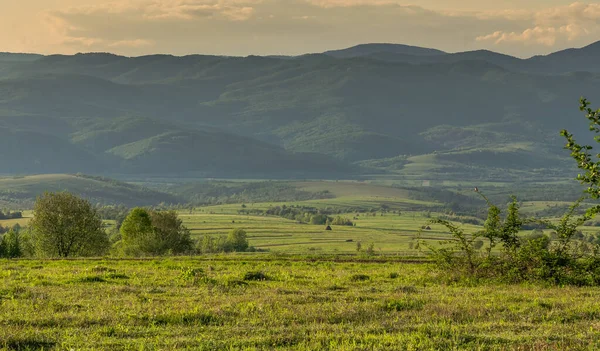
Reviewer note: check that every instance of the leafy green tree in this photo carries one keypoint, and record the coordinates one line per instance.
(65, 225)
(237, 240)
(154, 233)
(137, 234)
(11, 244)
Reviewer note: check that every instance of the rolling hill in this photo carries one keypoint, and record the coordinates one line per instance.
(371, 108)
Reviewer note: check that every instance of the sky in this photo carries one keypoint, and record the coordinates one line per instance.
(289, 27)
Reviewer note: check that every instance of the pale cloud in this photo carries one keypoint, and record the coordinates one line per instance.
(351, 3)
(236, 10)
(240, 27)
(136, 43)
(551, 26)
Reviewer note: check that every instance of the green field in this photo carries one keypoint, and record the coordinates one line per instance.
(390, 233)
(303, 303)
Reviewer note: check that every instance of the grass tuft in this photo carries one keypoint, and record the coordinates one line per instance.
(256, 276)
(404, 304)
(27, 344)
(92, 279)
(360, 278)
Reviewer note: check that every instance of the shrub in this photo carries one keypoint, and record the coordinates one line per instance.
(404, 304)
(512, 258)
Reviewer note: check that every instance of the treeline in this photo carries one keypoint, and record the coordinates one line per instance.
(218, 193)
(64, 225)
(325, 215)
(310, 215)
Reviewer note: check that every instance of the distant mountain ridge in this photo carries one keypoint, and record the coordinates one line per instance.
(388, 108)
(370, 49)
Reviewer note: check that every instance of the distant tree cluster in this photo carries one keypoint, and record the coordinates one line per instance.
(217, 193)
(309, 215)
(7, 214)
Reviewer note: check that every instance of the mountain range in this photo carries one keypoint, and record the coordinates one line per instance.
(385, 109)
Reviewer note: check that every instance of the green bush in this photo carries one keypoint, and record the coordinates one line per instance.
(512, 258)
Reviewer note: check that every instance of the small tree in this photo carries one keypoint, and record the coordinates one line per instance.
(237, 240)
(173, 236)
(207, 245)
(65, 225)
(137, 234)
(154, 233)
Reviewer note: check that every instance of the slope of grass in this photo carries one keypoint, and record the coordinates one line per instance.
(23, 190)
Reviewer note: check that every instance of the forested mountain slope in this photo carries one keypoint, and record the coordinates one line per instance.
(320, 115)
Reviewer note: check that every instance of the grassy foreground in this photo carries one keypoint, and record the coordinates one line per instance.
(270, 302)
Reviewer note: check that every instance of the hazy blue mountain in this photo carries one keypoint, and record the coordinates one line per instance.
(16, 57)
(389, 108)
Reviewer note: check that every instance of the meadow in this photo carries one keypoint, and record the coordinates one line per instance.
(271, 302)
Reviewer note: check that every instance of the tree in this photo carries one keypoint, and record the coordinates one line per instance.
(11, 246)
(171, 233)
(137, 233)
(237, 240)
(154, 233)
(207, 245)
(65, 225)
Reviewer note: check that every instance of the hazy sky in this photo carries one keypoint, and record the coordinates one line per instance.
(243, 27)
